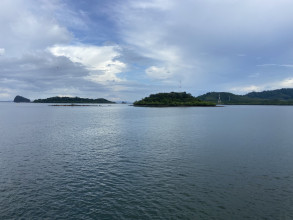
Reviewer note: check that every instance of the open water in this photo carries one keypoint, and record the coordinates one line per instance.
(124, 162)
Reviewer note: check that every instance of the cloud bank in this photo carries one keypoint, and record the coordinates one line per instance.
(212, 45)
(128, 49)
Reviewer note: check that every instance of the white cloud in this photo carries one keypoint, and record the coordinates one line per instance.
(161, 73)
(275, 65)
(254, 75)
(2, 51)
(25, 26)
(101, 62)
(208, 41)
(246, 89)
(5, 93)
(284, 83)
(152, 4)
(207, 45)
(68, 91)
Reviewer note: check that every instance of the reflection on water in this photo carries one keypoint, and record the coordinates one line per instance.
(122, 162)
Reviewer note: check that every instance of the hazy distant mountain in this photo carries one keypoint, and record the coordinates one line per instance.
(272, 97)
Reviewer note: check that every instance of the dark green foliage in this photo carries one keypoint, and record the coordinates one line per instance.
(273, 97)
(71, 100)
(172, 99)
(21, 99)
(279, 94)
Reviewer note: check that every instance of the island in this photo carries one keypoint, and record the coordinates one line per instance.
(172, 99)
(58, 99)
(270, 97)
(73, 105)
(19, 98)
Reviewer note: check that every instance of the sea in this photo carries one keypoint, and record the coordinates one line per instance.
(123, 162)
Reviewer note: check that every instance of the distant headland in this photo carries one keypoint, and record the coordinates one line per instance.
(19, 98)
(172, 99)
(270, 97)
(58, 99)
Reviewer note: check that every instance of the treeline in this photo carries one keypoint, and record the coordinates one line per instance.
(272, 97)
(172, 99)
(278, 94)
(58, 99)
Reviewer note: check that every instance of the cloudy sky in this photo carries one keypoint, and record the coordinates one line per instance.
(127, 49)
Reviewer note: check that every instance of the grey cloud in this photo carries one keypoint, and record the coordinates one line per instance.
(200, 43)
(24, 28)
(38, 74)
(274, 64)
(206, 36)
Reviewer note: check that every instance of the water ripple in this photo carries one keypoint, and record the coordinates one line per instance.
(139, 163)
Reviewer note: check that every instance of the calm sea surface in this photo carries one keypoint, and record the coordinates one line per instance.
(124, 162)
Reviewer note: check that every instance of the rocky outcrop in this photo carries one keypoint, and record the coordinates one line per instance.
(21, 99)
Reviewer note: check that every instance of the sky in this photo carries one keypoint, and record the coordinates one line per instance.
(124, 50)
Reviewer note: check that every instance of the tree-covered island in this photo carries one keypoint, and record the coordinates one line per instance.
(172, 99)
(58, 99)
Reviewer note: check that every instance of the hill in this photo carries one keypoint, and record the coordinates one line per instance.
(19, 98)
(58, 99)
(172, 99)
(278, 94)
(272, 97)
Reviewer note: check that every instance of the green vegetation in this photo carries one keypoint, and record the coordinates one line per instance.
(58, 99)
(273, 97)
(279, 94)
(172, 99)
